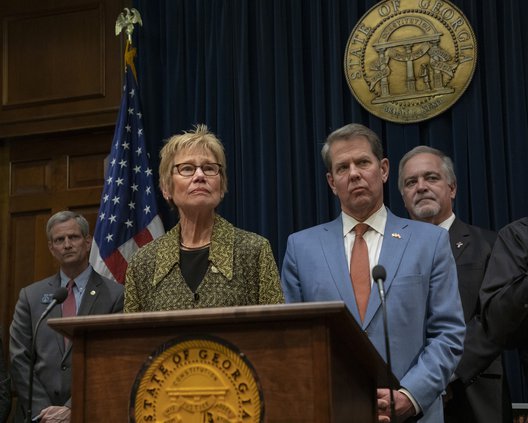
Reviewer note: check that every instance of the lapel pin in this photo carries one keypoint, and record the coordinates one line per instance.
(459, 244)
(46, 298)
(92, 292)
(396, 235)
(214, 269)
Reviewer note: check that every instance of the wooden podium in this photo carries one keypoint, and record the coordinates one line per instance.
(313, 362)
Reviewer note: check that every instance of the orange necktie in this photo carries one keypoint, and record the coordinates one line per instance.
(360, 269)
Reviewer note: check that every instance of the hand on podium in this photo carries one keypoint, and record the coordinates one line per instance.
(403, 406)
(55, 414)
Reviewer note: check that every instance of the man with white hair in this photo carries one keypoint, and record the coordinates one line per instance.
(428, 186)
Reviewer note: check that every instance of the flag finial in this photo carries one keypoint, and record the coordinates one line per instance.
(126, 20)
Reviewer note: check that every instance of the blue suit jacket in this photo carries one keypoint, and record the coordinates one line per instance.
(425, 318)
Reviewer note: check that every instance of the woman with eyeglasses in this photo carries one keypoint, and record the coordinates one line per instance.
(204, 261)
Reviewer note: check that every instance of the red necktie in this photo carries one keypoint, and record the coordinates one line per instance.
(360, 269)
(69, 307)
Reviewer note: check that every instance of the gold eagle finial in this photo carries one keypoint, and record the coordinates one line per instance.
(126, 20)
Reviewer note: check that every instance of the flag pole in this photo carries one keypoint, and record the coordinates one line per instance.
(126, 21)
(128, 215)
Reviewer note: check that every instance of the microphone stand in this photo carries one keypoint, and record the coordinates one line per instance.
(29, 411)
(379, 274)
(58, 297)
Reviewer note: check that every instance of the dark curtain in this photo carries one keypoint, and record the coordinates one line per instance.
(267, 77)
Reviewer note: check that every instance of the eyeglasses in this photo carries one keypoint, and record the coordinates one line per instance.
(189, 169)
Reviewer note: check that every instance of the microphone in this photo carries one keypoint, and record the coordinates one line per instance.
(379, 274)
(58, 297)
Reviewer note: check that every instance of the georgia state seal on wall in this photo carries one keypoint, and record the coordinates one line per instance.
(199, 379)
(410, 60)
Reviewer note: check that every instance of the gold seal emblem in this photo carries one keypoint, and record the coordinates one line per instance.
(410, 60)
(196, 380)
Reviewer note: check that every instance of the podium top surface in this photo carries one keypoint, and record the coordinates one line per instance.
(70, 326)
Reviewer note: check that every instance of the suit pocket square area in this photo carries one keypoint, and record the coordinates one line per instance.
(408, 280)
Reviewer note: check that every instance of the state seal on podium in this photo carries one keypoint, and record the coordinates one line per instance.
(197, 379)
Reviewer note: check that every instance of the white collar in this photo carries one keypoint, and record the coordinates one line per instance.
(376, 221)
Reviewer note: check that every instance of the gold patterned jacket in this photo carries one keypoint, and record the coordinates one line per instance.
(242, 271)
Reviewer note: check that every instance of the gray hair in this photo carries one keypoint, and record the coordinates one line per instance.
(447, 163)
(348, 132)
(64, 216)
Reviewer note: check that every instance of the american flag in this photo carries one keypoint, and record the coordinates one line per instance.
(128, 216)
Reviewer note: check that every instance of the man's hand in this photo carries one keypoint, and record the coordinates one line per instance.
(55, 414)
(448, 395)
(403, 407)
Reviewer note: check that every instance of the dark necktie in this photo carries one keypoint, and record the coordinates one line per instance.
(360, 269)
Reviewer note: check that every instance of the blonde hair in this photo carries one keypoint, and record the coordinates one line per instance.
(199, 138)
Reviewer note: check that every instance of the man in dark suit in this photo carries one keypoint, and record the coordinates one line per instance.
(504, 293)
(423, 303)
(69, 242)
(5, 387)
(427, 183)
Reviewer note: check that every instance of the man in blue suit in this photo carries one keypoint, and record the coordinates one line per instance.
(426, 321)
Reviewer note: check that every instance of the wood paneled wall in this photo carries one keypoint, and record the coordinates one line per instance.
(60, 86)
(61, 65)
(47, 174)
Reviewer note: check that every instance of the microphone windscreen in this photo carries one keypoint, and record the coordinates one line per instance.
(60, 295)
(379, 272)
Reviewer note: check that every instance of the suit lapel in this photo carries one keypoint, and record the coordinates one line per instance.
(333, 247)
(90, 295)
(56, 311)
(459, 237)
(395, 241)
(54, 284)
